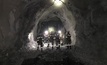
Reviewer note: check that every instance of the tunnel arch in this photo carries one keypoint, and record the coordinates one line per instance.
(34, 12)
(64, 15)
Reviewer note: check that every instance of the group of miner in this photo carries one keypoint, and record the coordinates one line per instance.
(54, 39)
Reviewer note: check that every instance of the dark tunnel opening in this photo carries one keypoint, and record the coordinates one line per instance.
(54, 23)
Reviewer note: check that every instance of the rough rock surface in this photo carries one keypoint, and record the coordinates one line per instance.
(17, 19)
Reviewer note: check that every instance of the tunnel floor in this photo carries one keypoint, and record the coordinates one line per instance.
(54, 57)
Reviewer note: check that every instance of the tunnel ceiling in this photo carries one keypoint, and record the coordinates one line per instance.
(51, 19)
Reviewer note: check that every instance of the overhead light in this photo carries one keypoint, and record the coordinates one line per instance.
(58, 2)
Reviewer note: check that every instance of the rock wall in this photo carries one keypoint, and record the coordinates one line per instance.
(9, 12)
(16, 21)
(91, 30)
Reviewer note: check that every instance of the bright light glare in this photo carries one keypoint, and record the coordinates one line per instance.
(51, 29)
(58, 2)
(46, 32)
(30, 36)
(33, 46)
(59, 32)
(45, 44)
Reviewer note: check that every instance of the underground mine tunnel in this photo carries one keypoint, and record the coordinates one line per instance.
(23, 21)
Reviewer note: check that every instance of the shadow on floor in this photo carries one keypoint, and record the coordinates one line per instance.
(38, 61)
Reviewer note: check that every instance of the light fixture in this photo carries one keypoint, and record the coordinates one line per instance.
(58, 2)
(46, 32)
(59, 32)
(51, 29)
